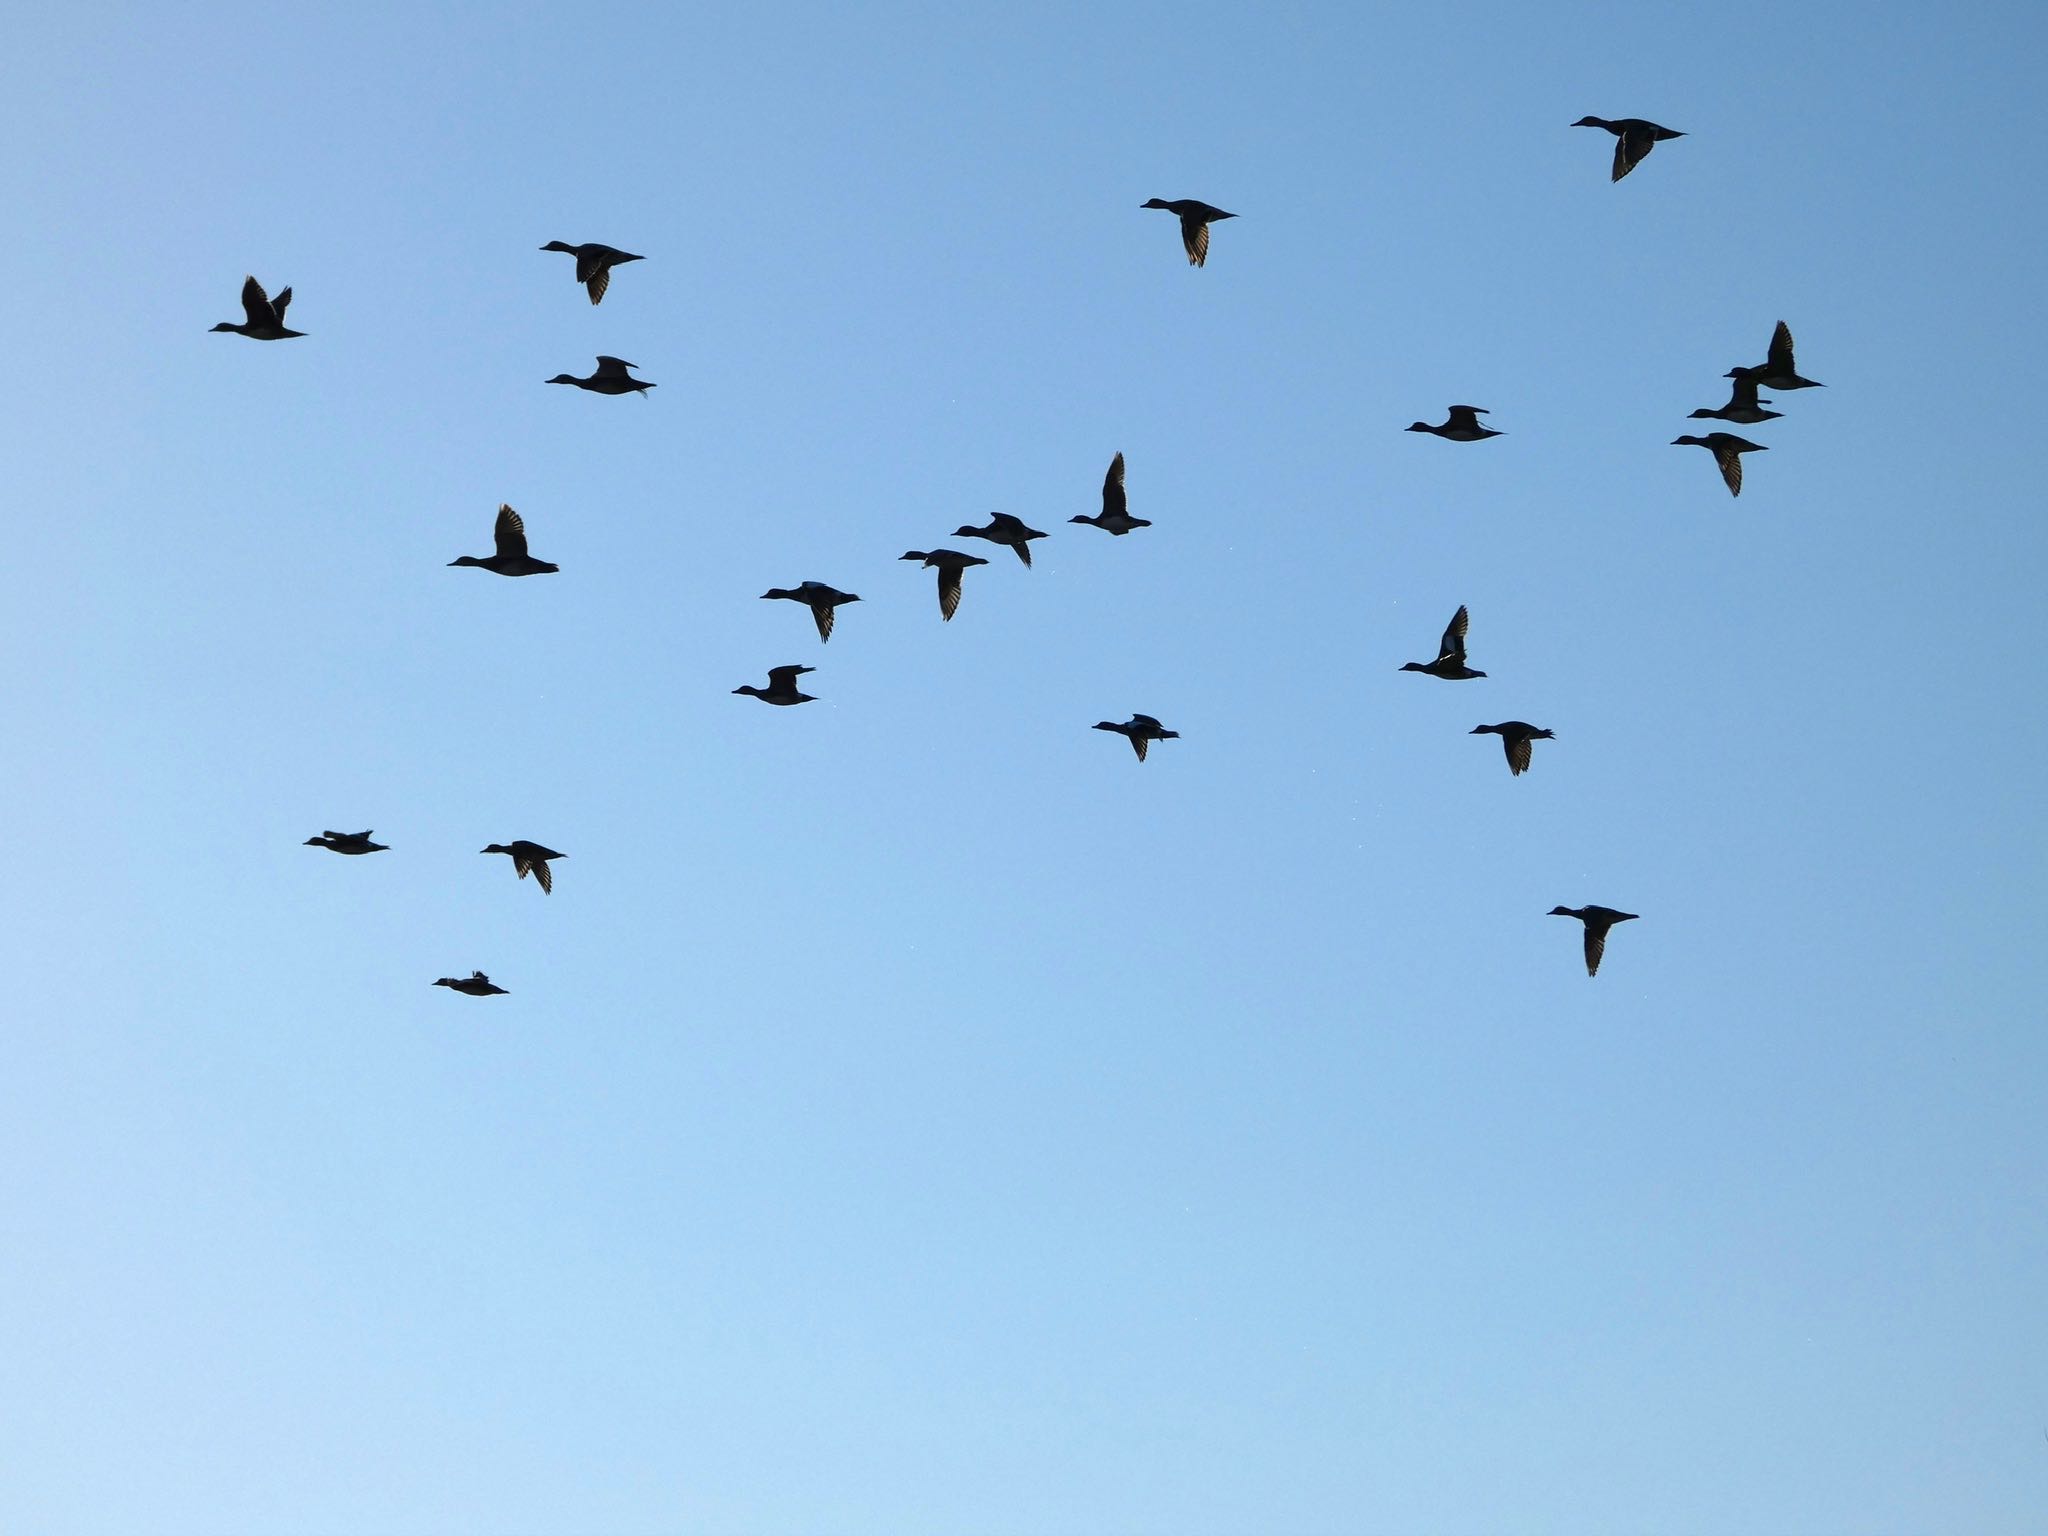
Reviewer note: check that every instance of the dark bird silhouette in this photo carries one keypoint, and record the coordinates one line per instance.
(821, 600)
(1776, 371)
(1195, 218)
(1115, 517)
(610, 378)
(1728, 450)
(950, 564)
(1515, 736)
(781, 687)
(511, 558)
(1462, 425)
(346, 842)
(594, 263)
(475, 984)
(1140, 730)
(529, 859)
(263, 316)
(1633, 139)
(1597, 920)
(1450, 653)
(1004, 529)
(1743, 407)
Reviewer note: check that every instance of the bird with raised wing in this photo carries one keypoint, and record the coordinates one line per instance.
(1004, 529)
(950, 564)
(1461, 426)
(610, 378)
(594, 263)
(1140, 731)
(1115, 516)
(529, 859)
(819, 598)
(1597, 920)
(263, 316)
(511, 558)
(781, 687)
(1776, 371)
(1195, 218)
(346, 842)
(475, 984)
(1515, 736)
(1450, 653)
(1728, 450)
(1634, 137)
(1743, 407)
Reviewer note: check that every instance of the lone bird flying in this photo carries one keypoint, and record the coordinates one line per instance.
(820, 599)
(950, 564)
(611, 378)
(511, 558)
(1115, 516)
(1140, 730)
(529, 859)
(781, 687)
(1597, 920)
(475, 984)
(1634, 137)
(1728, 450)
(1195, 218)
(263, 316)
(594, 263)
(346, 842)
(1461, 426)
(1450, 653)
(1004, 529)
(1515, 736)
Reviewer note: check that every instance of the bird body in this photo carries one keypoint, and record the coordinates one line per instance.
(1115, 516)
(1004, 529)
(610, 378)
(475, 984)
(821, 600)
(529, 859)
(1460, 426)
(1597, 920)
(950, 564)
(1743, 407)
(1450, 653)
(1195, 218)
(1634, 137)
(1728, 450)
(1140, 730)
(594, 263)
(263, 316)
(511, 558)
(1776, 371)
(346, 842)
(781, 687)
(1515, 736)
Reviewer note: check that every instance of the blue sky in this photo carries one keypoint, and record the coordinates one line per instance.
(909, 1113)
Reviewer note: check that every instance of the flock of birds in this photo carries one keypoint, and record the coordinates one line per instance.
(264, 320)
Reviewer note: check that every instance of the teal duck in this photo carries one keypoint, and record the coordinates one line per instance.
(1461, 426)
(1004, 529)
(1633, 138)
(1776, 371)
(1743, 407)
(511, 558)
(1115, 516)
(821, 600)
(529, 859)
(475, 984)
(610, 378)
(346, 842)
(1195, 218)
(781, 687)
(1140, 731)
(1450, 653)
(1597, 920)
(1728, 450)
(950, 564)
(594, 263)
(264, 316)
(1515, 736)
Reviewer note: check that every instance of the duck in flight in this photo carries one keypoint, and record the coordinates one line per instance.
(821, 600)
(346, 842)
(263, 315)
(1195, 218)
(1728, 450)
(1597, 920)
(1140, 730)
(1450, 653)
(950, 564)
(1634, 137)
(594, 263)
(511, 558)
(611, 378)
(1115, 516)
(475, 984)
(1004, 529)
(1515, 736)
(781, 687)
(1461, 426)
(1743, 407)
(529, 859)
(1776, 371)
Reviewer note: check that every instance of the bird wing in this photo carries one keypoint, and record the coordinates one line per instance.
(1023, 551)
(1145, 720)
(1743, 396)
(612, 367)
(1452, 646)
(1194, 234)
(1005, 522)
(256, 303)
(597, 282)
(1466, 416)
(281, 303)
(1138, 744)
(823, 613)
(1518, 750)
(538, 868)
(1780, 359)
(785, 677)
(511, 534)
(949, 590)
(1596, 945)
(1630, 145)
(1730, 461)
(1113, 489)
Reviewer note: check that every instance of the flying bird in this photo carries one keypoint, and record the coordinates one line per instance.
(1450, 653)
(511, 558)
(950, 564)
(1004, 529)
(1597, 920)
(1115, 517)
(1461, 426)
(821, 600)
(1140, 730)
(781, 687)
(610, 378)
(1515, 736)
(1195, 218)
(1728, 450)
(1743, 407)
(346, 842)
(264, 316)
(1633, 138)
(1776, 371)
(476, 984)
(529, 859)
(594, 263)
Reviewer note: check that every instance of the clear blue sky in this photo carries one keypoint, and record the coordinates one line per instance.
(909, 1114)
